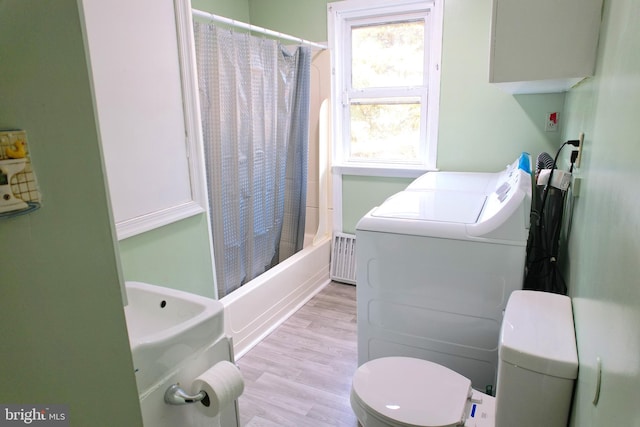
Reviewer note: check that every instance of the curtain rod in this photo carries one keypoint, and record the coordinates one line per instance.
(255, 28)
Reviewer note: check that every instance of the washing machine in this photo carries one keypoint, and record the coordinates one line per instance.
(477, 182)
(435, 269)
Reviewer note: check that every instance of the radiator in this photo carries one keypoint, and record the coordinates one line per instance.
(343, 258)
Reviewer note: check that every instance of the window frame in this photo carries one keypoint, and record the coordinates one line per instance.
(344, 15)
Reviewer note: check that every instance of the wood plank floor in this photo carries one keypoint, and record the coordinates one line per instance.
(300, 375)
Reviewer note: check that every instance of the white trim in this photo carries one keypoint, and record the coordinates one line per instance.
(382, 170)
(336, 188)
(193, 120)
(435, 64)
(144, 223)
(350, 8)
(338, 16)
(191, 102)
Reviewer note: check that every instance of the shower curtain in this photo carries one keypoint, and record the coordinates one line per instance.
(254, 100)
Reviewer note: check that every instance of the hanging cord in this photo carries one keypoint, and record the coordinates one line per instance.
(544, 274)
(545, 192)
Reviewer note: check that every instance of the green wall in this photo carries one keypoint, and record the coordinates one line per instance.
(234, 9)
(362, 193)
(177, 256)
(481, 127)
(604, 245)
(306, 19)
(63, 338)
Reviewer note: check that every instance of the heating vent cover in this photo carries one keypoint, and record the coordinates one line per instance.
(343, 258)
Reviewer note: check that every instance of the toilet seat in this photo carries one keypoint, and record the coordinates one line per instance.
(404, 391)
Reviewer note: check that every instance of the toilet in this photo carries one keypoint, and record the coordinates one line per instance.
(537, 368)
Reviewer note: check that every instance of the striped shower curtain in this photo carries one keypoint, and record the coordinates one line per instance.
(254, 100)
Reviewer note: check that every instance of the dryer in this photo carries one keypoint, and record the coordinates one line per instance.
(435, 269)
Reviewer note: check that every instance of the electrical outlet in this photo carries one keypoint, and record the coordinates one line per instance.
(576, 186)
(581, 139)
(551, 122)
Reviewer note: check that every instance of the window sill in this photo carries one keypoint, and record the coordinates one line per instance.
(381, 170)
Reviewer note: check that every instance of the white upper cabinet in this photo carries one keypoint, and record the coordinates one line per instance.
(543, 46)
(145, 111)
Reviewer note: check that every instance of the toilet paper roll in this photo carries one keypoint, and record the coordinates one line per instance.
(223, 384)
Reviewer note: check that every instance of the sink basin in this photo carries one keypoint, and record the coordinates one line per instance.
(167, 327)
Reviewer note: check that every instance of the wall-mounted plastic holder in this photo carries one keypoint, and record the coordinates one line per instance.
(19, 193)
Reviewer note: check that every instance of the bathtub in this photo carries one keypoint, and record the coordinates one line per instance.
(254, 310)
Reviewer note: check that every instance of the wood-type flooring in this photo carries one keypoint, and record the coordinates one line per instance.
(300, 375)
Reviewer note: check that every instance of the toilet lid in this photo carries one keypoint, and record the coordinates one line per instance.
(412, 392)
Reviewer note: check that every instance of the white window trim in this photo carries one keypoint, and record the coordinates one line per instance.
(338, 15)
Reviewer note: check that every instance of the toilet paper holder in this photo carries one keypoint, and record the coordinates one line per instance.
(175, 395)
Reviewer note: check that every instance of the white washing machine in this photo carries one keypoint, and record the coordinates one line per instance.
(476, 182)
(435, 269)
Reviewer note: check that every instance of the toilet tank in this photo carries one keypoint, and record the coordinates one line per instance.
(538, 361)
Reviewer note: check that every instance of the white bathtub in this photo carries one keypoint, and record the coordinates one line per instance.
(258, 307)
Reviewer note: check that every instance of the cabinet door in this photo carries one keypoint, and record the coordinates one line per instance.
(134, 58)
(544, 40)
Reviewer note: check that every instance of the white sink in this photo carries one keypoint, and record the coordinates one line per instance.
(166, 327)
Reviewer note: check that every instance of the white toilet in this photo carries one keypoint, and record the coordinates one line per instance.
(537, 367)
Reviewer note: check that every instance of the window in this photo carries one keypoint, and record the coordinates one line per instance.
(385, 84)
